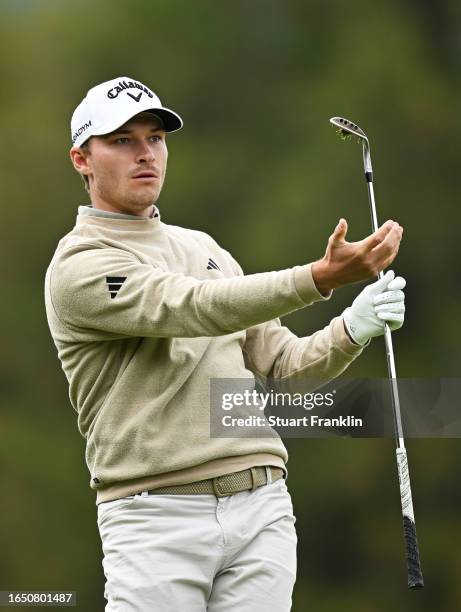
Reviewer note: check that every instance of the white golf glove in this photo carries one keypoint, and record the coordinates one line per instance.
(379, 302)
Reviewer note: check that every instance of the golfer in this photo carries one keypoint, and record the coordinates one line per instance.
(143, 314)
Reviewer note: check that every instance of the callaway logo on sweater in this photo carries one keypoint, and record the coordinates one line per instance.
(143, 315)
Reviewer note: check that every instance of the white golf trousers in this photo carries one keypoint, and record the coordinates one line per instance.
(197, 553)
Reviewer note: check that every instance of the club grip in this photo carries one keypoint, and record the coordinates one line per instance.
(415, 575)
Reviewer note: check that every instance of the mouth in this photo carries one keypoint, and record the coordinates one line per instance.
(146, 175)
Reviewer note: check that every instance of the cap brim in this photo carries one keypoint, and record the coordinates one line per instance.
(171, 121)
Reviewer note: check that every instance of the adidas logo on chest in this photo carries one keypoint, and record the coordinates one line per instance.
(212, 265)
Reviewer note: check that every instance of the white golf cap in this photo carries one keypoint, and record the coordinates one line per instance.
(109, 105)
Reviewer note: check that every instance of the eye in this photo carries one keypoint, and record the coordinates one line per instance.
(156, 138)
(121, 140)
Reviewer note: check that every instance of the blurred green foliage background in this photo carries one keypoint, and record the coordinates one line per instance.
(258, 167)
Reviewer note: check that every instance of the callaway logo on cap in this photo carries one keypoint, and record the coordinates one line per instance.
(111, 104)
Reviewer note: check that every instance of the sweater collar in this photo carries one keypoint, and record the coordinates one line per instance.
(89, 211)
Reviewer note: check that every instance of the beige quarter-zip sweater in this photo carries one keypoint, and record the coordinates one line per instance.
(143, 315)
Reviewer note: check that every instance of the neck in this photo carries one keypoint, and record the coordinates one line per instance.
(146, 212)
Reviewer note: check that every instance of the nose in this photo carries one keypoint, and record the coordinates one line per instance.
(144, 153)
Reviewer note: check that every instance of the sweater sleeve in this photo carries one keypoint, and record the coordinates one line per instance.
(272, 350)
(106, 293)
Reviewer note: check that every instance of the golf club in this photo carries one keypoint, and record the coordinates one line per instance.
(347, 130)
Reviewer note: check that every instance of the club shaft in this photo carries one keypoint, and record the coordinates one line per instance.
(415, 576)
(388, 339)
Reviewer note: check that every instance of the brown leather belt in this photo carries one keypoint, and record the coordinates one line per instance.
(224, 485)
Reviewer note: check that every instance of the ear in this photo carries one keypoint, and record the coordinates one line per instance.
(79, 158)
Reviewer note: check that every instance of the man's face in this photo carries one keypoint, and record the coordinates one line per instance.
(126, 168)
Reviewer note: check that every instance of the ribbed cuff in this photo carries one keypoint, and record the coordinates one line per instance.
(342, 340)
(306, 287)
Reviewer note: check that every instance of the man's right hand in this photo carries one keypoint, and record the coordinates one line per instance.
(345, 262)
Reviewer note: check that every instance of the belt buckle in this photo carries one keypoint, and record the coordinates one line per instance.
(216, 487)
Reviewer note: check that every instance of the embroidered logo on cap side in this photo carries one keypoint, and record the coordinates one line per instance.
(80, 130)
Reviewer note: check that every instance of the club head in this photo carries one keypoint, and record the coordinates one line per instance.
(346, 129)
